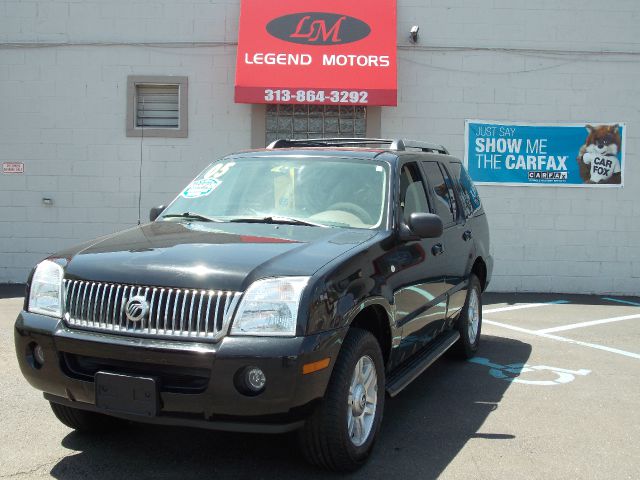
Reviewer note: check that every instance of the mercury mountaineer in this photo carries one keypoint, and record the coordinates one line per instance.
(288, 288)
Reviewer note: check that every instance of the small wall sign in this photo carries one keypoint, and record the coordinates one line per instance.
(12, 167)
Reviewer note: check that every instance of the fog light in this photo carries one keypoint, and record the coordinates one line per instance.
(38, 354)
(255, 379)
(35, 355)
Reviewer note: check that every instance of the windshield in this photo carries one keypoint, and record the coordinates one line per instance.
(322, 191)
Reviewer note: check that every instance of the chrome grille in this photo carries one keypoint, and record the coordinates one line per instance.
(173, 312)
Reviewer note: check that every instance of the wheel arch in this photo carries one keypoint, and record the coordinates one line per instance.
(375, 318)
(479, 269)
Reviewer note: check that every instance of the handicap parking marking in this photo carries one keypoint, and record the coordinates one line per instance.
(618, 300)
(513, 372)
(562, 339)
(588, 324)
(524, 305)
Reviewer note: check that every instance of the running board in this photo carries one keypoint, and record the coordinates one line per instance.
(407, 373)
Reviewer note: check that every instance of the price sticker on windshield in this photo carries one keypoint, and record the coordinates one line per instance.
(219, 169)
(201, 188)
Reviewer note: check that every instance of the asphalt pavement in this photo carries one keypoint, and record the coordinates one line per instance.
(554, 393)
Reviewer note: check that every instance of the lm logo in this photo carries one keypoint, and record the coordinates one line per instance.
(317, 28)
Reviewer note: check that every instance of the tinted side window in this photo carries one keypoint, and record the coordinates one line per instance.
(412, 192)
(445, 201)
(468, 193)
(453, 202)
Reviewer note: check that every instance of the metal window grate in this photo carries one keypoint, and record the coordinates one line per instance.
(315, 121)
(157, 106)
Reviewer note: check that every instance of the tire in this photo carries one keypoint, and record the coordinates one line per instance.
(331, 438)
(84, 421)
(469, 322)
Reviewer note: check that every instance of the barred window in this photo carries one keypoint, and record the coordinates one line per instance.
(157, 106)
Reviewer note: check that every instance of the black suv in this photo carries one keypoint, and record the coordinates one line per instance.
(283, 289)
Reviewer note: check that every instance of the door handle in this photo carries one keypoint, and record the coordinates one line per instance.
(467, 235)
(437, 249)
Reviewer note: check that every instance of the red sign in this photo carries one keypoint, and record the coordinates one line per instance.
(323, 52)
(13, 167)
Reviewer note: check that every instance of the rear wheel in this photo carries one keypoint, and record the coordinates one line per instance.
(470, 321)
(341, 433)
(82, 420)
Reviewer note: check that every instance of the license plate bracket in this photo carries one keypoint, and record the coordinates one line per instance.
(126, 394)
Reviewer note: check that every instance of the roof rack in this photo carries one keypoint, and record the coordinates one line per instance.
(398, 144)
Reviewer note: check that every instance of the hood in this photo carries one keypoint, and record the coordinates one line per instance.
(200, 255)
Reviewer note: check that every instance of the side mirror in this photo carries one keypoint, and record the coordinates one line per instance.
(426, 225)
(156, 211)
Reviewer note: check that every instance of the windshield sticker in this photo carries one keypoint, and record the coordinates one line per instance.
(201, 188)
(218, 170)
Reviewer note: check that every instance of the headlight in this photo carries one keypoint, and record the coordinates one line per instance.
(270, 307)
(45, 295)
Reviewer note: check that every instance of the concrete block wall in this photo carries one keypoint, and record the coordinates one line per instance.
(62, 113)
(544, 239)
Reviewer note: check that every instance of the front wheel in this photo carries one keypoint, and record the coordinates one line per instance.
(340, 434)
(469, 322)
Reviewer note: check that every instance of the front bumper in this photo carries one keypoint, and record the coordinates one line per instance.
(196, 381)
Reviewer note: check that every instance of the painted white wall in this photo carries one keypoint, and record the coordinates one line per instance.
(62, 113)
(544, 239)
(64, 109)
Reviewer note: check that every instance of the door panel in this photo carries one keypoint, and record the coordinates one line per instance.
(456, 256)
(455, 281)
(421, 292)
(418, 281)
(463, 240)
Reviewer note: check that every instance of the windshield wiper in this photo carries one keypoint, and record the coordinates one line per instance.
(277, 220)
(192, 216)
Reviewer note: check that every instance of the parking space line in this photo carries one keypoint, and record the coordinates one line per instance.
(587, 324)
(525, 305)
(563, 339)
(626, 302)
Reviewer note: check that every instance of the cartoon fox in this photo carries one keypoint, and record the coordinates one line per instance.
(598, 157)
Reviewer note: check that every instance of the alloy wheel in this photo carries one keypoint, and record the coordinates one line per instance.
(473, 314)
(362, 401)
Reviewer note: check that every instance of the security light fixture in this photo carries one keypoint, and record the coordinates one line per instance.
(413, 33)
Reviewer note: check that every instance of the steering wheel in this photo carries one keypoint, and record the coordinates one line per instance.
(357, 210)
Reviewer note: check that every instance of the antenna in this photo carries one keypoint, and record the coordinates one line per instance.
(140, 169)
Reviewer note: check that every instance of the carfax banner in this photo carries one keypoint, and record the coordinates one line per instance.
(545, 154)
(323, 52)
